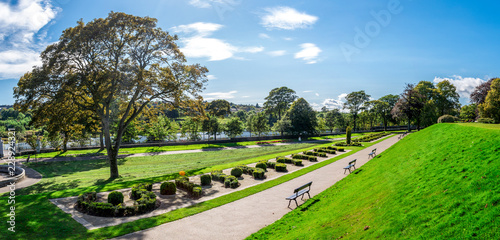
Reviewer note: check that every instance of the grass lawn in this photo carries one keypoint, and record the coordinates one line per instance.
(150, 149)
(58, 176)
(37, 218)
(440, 183)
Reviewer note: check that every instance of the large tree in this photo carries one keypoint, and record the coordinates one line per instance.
(479, 94)
(278, 101)
(410, 105)
(447, 100)
(122, 59)
(302, 117)
(219, 108)
(383, 107)
(491, 106)
(355, 102)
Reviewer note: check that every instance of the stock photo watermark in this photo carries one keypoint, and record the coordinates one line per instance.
(222, 7)
(11, 200)
(364, 36)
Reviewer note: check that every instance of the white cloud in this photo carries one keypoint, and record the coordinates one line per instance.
(264, 36)
(286, 18)
(465, 86)
(309, 53)
(317, 94)
(211, 77)
(287, 38)
(277, 53)
(22, 35)
(199, 45)
(212, 3)
(308, 91)
(338, 103)
(219, 95)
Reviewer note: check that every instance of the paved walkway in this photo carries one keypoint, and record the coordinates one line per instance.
(241, 218)
(31, 177)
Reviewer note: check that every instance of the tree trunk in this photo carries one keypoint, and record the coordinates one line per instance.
(65, 142)
(101, 140)
(112, 151)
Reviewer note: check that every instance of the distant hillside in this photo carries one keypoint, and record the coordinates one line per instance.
(440, 183)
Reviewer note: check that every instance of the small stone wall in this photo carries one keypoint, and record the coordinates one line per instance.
(19, 175)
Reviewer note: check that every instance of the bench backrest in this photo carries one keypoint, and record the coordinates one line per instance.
(374, 150)
(302, 187)
(352, 162)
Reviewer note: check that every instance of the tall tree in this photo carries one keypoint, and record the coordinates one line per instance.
(212, 126)
(120, 59)
(278, 101)
(260, 123)
(302, 117)
(409, 105)
(332, 119)
(447, 100)
(429, 94)
(468, 112)
(354, 102)
(478, 96)
(383, 107)
(219, 108)
(234, 127)
(491, 106)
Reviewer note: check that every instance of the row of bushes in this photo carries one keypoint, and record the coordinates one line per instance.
(371, 137)
(305, 157)
(329, 149)
(87, 203)
(227, 180)
(315, 153)
(193, 189)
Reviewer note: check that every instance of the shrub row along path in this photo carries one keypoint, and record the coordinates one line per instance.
(239, 219)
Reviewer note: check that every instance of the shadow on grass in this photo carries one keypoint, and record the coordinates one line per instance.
(309, 203)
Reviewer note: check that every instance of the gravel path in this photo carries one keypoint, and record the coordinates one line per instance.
(239, 219)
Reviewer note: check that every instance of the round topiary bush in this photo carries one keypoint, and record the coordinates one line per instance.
(280, 167)
(115, 198)
(236, 172)
(447, 119)
(168, 188)
(205, 180)
(261, 165)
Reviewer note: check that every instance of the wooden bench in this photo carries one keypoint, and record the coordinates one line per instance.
(300, 191)
(351, 164)
(373, 153)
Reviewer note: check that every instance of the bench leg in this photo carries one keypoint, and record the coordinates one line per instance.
(345, 169)
(289, 203)
(308, 195)
(296, 202)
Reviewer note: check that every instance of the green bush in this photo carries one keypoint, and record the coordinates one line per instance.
(168, 188)
(280, 167)
(271, 164)
(297, 162)
(312, 159)
(341, 149)
(197, 192)
(258, 173)
(205, 180)
(321, 154)
(237, 172)
(486, 120)
(280, 160)
(235, 183)
(331, 148)
(447, 119)
(261, 165)
(138, 189)
(115, 198)
(348, 135)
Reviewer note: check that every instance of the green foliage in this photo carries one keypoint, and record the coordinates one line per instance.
(271, 164)
(447, 119)
(115, 198)
(485, 120)
(234, 127)
(468, 113)
(138, 189)
(259, 173)
(278, 101)
(197, 192)
(237, 172)
(212, 126)
(206, 180)
(261, 165)
(491, 106)
(219, 108)
(297, 162)
(168, 188)
(280, 167)
(354, 102)
(302, 117)
(348, 135)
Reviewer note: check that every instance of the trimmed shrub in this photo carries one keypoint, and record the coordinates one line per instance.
(271, 164)
(258, 173)
(115, 198)
(297, 162)
(261, 165)
(447, 119)
(205, 180)
(237, 172)
(235, 183)
(197, 191)
(138, 189)
(341, 149)
(280, 167)
(485, 120)
(288, 160)
(321, 154)
(331, 148)
(312, 159)
(168, 188)
(280, 159)
(348, 135)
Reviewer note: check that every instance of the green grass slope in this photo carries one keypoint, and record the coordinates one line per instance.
(440, 183)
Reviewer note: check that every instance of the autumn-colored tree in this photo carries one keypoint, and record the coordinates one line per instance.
(122, 60)
(480, 92)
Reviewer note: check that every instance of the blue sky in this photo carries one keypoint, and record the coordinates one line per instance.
(321, 49)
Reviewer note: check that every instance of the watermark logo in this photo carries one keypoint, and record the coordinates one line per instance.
(364, 36)
(11, 202)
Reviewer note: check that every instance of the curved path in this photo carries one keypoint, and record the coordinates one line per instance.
(239, 219)
(31, 177)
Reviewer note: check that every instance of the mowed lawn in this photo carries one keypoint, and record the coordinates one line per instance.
(66, 175)
(440, 183)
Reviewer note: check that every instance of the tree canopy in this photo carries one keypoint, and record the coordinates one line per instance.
(491, 106)
(302, 117)
(354, 102)
(278, 101)
(112, 66)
